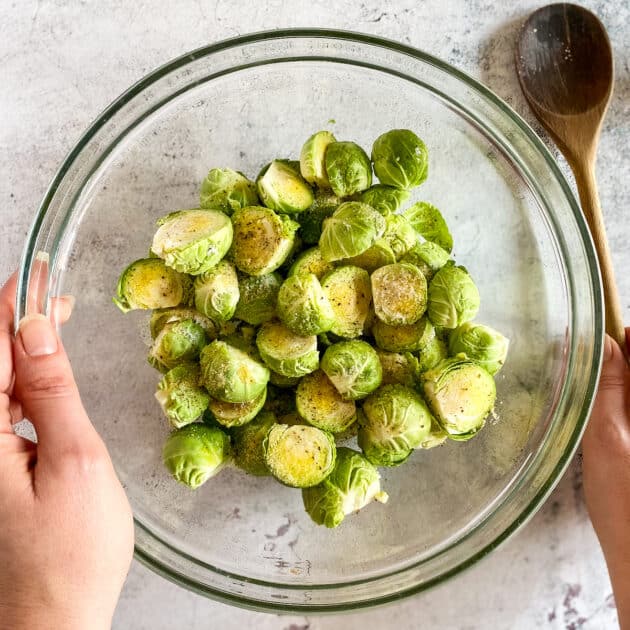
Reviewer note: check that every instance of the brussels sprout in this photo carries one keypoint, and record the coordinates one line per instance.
(299, 456)
(430, 224)
(398, 368)
(236, 414)
(428, 257)
(348, 168)
(482, 344)
(283, 189)
(436, 437)
(349, 292)
(379, 255)
(193, 241)
(303, 306)
(262, 239)
(177, 343)
(399, 235)
(258, 297)
(310, 261)
(227, 190)
(149, 283)
(396, 420)
(181, 396)
(163, 316)
(280, 380)
(353, 368)
(352, 229)
(319, 403)
(408, 338)
(216, 292)
(247, 444)
(352, 484)
(384, 199)
(461, 394)
(312, 154)
(285, 352)
(195, 453)
(453, 297)
(311, 221)
(399, 292)
(431, 354)
(400, 159)
(231, 375)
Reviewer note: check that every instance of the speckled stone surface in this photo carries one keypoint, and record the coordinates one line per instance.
(63, 62)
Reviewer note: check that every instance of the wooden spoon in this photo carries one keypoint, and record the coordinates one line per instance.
(565, 66)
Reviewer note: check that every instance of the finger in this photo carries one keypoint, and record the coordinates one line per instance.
(61, 309)
(7, 301)
(15, 411)
(45, 387)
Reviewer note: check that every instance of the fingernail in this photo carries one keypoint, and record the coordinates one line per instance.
(38, 336)
(42, 256)
(608, 348)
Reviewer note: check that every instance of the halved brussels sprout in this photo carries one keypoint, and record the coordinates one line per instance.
(258, 298)
(430, 224)
(395, 421)
(177, 343)
(352, 229)
(280, 380)
(181, 396)
(161, 317)
(283, 189)
(312, 154)
(352, 484)
(319, 403)
(436, 437)
(148, 283)
(461, 394)
(349, 292)
(193, 241)
(400, 159)
(311, 221)
(399, 292)
(353, 368)
(384, 199)
(428, 257)
(299, 456)
(262, 239)
(398, 368)
(227, 190)
(285, 352)
(231, 375)
(482, 344)
(247, 444)
(195, 453)
(408, 338)
(453, 297)
(431, 354)
(236, 414)
(310, 261)
(399, 234)
(216, 292)
(303, 306)
(348, 168)
(379, 255)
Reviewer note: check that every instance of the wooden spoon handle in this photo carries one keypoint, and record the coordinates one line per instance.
(587, 187)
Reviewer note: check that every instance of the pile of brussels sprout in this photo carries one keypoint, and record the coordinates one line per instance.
(297, 312)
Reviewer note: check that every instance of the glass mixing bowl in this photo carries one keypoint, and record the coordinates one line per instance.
(516, 226)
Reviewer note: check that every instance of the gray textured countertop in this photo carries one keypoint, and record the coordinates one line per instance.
(63, 62)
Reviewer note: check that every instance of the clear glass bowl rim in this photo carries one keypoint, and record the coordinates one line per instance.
(180, 62)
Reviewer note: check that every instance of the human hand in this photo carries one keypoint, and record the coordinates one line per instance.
(66, 531)
(606, 468)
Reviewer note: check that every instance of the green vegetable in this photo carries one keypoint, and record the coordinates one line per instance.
(216, 292)
(193, 241)
(384, 199)
(348, 168)
(428, 257)
(181, 396)
(408, 338)
(299, 456)
(400, 159)
(283, 189)
(430, 224)
(310, 261)
(399, 235)
(398, 367)
(248, 444)
(229, 414)
(312, 154)
(227, 190)
(311, 221)
(399, 292)
(286, 353)
(453, 297)
(163, 316)
(378, 255)
(195, 453)
(352, 484)
(258, 298)
(177, 343)
(482, 344)
(431, 354)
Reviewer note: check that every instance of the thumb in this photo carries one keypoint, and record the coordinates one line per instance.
(45, 386)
